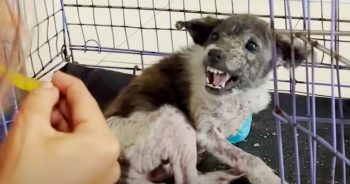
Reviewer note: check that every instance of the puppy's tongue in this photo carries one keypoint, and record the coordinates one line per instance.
(220, 79)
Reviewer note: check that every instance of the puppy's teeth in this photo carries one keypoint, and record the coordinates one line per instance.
(207, 80)
(212, 86)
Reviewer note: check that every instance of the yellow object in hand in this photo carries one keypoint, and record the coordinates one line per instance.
(19, 80)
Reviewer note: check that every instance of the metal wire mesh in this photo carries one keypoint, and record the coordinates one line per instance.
(120, 34)
(307, 123)
(7, 114)
(48, 47)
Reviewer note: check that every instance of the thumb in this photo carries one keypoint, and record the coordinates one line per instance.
(38, 105)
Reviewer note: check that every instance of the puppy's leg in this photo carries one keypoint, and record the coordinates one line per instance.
(181, 149)
(149, 139)
(135, 178)
(179, 145)
(242, 163)
(161, 138)
(139, 154)
(218, 177)
(212, 140)
(259, 172)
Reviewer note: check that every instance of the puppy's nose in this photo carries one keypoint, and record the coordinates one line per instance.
(216, 55)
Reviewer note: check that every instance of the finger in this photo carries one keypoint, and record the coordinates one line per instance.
(114, 174)
(64, 109)
(38, 105)
(59, 122)
(83, 107)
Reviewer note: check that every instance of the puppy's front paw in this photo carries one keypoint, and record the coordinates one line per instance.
(260, 173)
(219, 177)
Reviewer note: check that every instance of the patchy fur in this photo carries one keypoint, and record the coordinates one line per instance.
(192, 100)
(146, 149)
(158, 85)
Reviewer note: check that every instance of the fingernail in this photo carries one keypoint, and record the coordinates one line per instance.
(47, 85)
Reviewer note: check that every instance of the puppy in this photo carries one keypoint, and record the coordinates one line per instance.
(193, 99)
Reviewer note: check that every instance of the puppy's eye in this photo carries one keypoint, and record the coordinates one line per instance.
(215, 36)
(251, 46)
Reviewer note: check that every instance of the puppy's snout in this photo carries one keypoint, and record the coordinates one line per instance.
(216, 56)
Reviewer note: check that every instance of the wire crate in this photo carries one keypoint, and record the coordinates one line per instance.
(312, 115)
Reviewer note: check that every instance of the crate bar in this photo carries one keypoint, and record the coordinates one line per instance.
(284, 117)
(111, 67)
(281, 31)
(325, 66)
(276, 97)
(142, 37)
(50, 70)
(316, 83)
(340, 121)
(193, 11)
(47, 64)
(292, 86)
(332, 49)
(325, 50)
(5, 128)
(313, 32)
(108, 49)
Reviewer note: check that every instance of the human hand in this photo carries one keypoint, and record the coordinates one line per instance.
(60, 136)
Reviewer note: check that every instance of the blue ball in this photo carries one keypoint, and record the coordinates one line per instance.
(242, 133)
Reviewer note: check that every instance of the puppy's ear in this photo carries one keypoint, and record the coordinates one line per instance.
(284, 50)
(199, 29)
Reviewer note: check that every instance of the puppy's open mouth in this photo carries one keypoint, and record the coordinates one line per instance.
(218, 79)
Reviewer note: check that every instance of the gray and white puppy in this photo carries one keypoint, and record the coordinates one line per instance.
(193, 99)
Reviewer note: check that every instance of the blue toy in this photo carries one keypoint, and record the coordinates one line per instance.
(243, 132)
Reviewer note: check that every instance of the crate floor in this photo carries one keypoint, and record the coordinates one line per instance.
(262, 142)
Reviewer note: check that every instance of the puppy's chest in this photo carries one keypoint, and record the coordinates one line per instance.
(227, 114)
